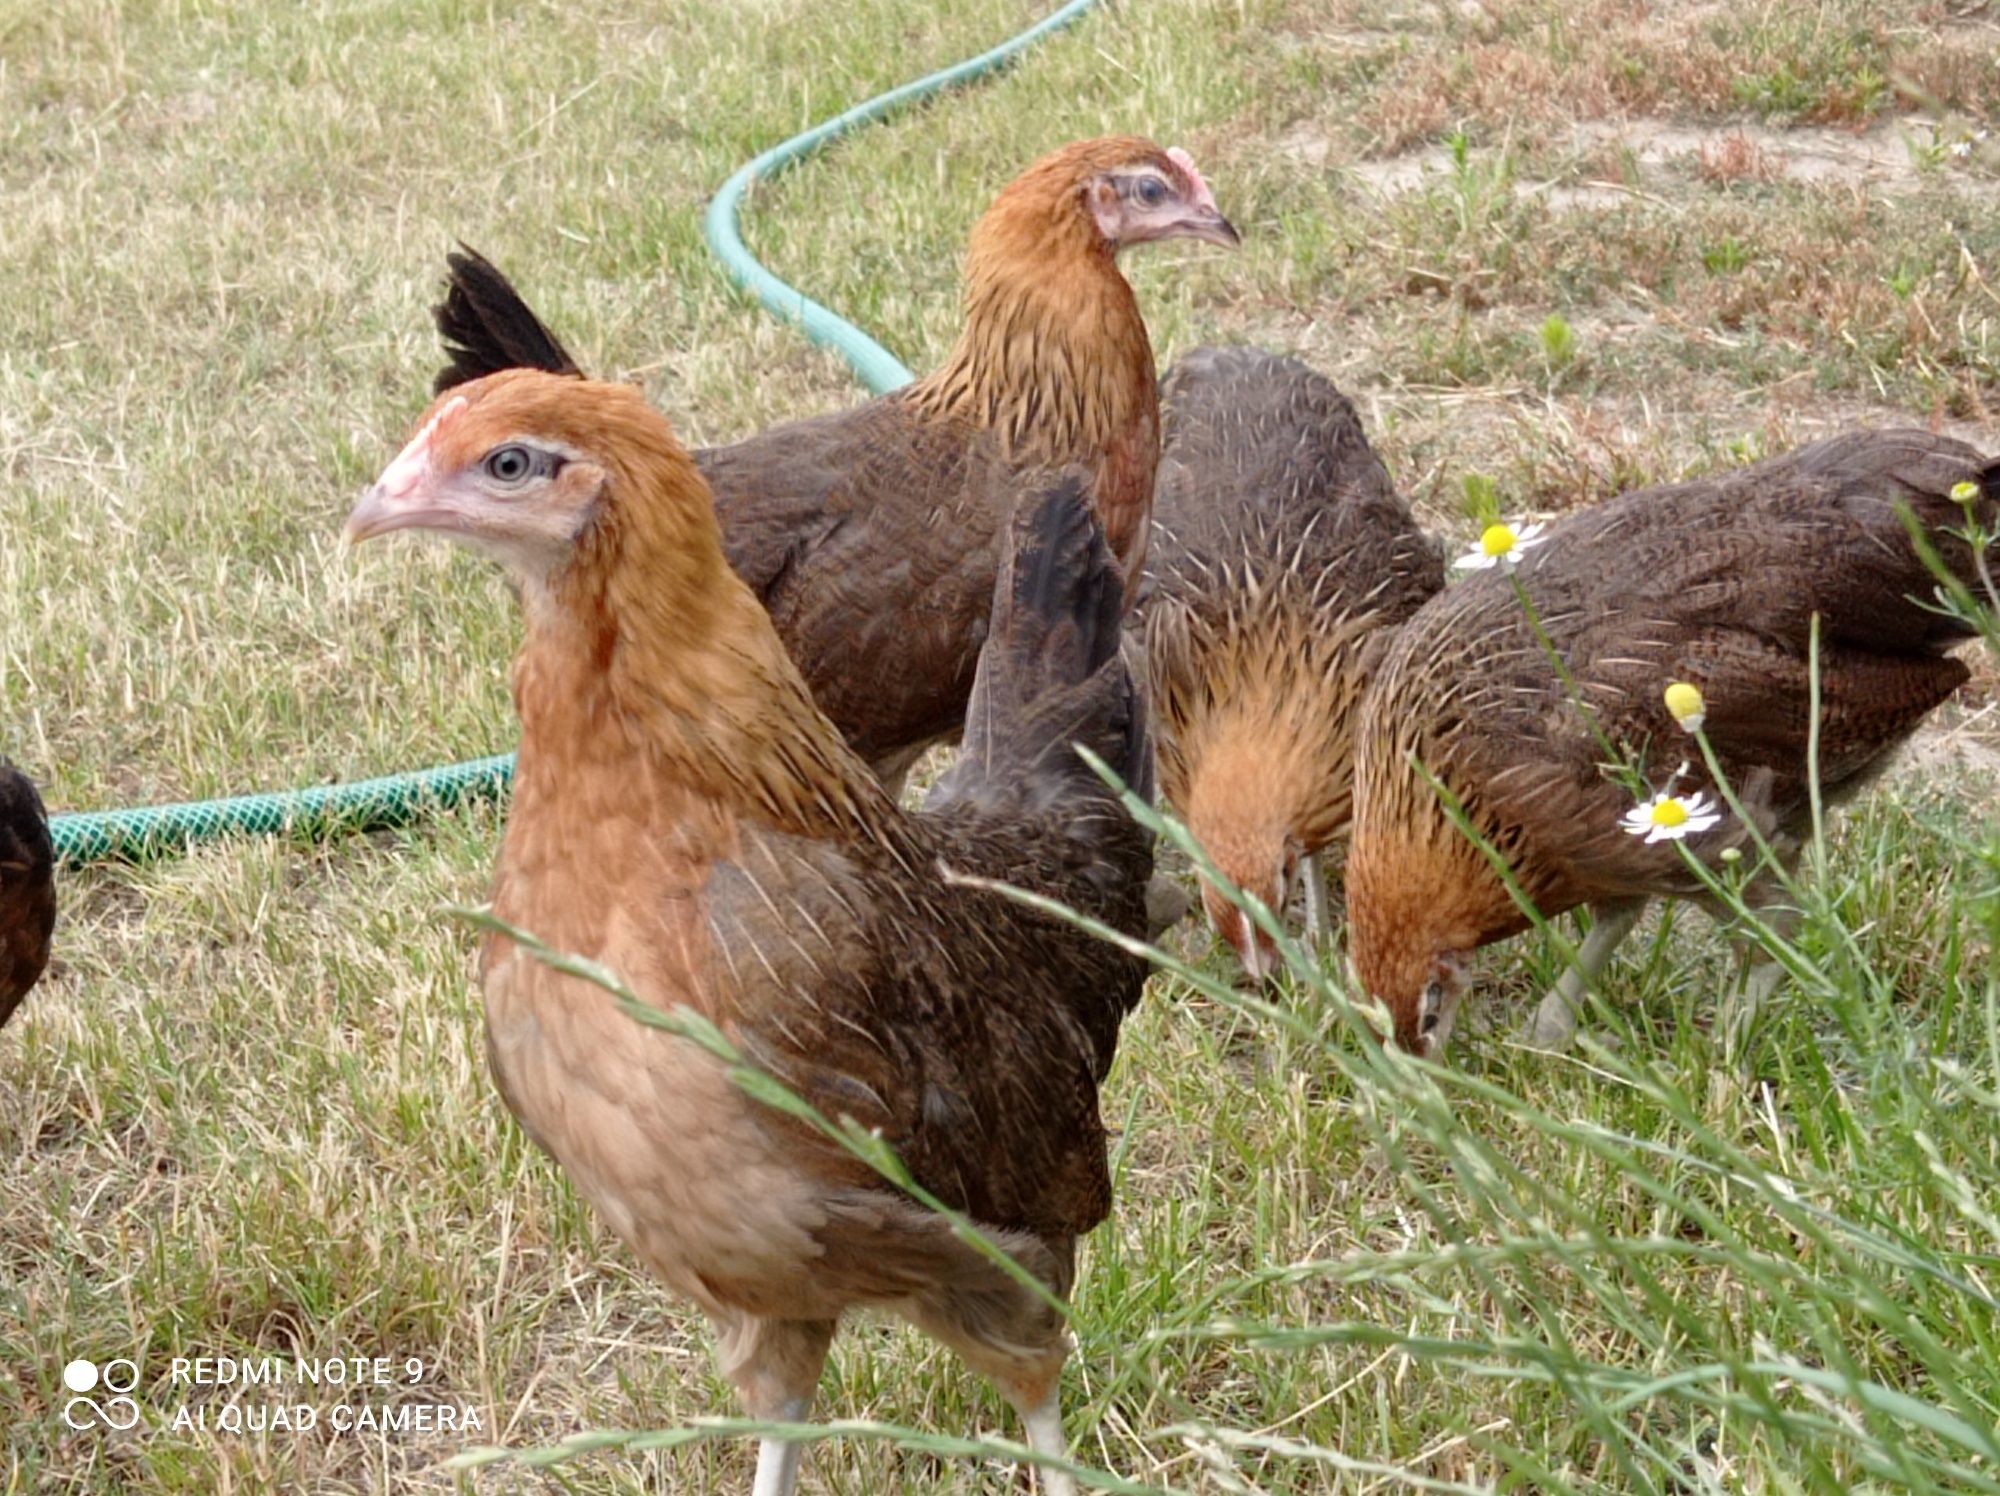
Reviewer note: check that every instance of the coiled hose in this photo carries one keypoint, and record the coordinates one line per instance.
(396, 799)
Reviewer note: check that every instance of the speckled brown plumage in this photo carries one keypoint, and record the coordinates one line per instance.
(1281, 553)
(27, 888)
(683, 814)
(1714, 582)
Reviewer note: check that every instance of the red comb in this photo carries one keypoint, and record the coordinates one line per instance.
(1185, 162)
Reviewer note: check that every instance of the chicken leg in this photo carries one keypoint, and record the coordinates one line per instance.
(1318, 923)
(1555, 1020)
(778, 1459)
(774, 1365)
(1044, 1427)
(1761, 972)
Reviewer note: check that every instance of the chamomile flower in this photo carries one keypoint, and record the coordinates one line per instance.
(1965, 492)
(1684, 701)
(1500, 545)
(1669, 817)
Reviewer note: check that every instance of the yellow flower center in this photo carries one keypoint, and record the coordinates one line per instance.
(1670, 813)
(1683, 700)
(1497, 540)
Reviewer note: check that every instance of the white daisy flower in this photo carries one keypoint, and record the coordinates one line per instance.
(1500, 545)
(1965, 492)
(1684, 701)
(1669, 817)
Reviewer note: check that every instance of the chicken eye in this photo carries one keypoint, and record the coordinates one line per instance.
(509, 465)
(1151, 191)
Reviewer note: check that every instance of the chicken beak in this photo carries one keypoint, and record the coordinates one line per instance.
(377, 512)
(1204, 221)
(1247, 950)
(401, 499)
(1259, 958)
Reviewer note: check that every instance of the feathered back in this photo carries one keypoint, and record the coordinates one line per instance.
(487, 327)
(1282, 559)
(1715, 581)
(27, 888)
(1050, 674)
(1266, 477)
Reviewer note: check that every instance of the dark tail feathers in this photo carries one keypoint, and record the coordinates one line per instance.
(487, 327)
(1051, 674)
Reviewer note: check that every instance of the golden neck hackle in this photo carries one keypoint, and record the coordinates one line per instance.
(649, 659)
(1054, 357)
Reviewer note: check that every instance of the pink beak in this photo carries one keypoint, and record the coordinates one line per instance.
(1204, 220)
(396, 501)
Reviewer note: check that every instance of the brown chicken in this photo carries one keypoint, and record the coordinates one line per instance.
(27, 888)
(1714, 583)
(684, 814)
(1281, 559)
(871, 534)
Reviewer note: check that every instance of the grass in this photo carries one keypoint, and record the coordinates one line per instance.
(1559, 249)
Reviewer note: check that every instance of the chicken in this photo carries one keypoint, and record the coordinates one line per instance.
(870, 534)
(1711, 583)
(1281, 558)
(27, 888)
(684, 814)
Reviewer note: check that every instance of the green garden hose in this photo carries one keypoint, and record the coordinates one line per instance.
(395, 799)
(316, 811)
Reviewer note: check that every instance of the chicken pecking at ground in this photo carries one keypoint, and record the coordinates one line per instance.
(27, 888)
(870, 534)
(1712, 584)
(684, 814)
(1281, 559)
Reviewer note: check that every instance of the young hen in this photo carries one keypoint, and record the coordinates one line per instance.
(1714, 583)
(27, 888)
(684, 814)
(1281, 559)
(870, 534)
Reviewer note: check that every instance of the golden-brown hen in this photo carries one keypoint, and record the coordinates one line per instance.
(1281, 556)
(870, 534)
(27, 888)
(1714, 583)
(684, 814)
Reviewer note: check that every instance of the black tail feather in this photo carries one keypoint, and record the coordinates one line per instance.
(1051, 674)
(487, 327)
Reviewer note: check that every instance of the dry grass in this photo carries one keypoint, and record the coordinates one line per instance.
(249, 1112)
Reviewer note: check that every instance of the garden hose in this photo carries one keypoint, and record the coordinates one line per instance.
(396, 799)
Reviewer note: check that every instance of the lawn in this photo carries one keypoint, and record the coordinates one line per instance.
(1564, 248)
